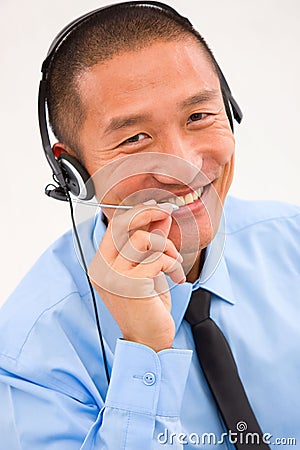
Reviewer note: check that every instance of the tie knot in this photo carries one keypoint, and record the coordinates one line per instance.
(198, 307)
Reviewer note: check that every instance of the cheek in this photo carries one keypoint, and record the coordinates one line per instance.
(116, 188)
(223, 142)
(215, 146)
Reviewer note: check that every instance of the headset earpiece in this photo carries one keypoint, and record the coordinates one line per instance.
(77, 179)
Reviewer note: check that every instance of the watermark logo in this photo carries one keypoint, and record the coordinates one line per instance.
(240, 436)
(241, 426)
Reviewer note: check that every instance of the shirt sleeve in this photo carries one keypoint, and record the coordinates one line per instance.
(143, 400)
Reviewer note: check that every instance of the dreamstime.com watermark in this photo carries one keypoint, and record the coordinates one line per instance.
(240, 436)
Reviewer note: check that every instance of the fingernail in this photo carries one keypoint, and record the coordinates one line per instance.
(180, 258)
(166, 206)
(150, 202)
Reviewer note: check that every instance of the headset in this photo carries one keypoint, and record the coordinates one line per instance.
(68, 173)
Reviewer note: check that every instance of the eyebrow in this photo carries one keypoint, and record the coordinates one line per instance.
(117, 123)
(201, 97)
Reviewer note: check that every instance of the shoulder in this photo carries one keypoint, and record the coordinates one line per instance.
(260, 214)
(263, 236)
(52, 290)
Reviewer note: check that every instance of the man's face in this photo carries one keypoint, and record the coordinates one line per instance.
(166, 99)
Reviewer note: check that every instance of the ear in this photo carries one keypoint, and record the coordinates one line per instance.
(59, 148)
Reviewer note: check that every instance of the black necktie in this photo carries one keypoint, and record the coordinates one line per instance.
(221, 373)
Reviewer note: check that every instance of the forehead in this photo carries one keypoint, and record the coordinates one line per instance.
(164, 70)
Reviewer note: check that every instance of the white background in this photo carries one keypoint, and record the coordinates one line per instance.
(257, 46)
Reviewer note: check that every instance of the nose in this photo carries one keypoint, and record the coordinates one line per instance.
(178, 158)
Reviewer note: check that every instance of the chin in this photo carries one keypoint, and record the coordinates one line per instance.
(192, 235)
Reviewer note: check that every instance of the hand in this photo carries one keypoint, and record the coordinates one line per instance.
(128, 271)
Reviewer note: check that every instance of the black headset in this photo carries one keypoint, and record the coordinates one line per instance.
(68, 172)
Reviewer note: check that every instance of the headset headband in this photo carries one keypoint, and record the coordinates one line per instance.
(59, 39)
(75, 23)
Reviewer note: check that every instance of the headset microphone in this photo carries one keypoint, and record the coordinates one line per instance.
(58, 193)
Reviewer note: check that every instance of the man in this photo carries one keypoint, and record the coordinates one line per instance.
(136, 92)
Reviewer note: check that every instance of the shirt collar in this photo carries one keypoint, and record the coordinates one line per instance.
(99, 230)
(214, 278)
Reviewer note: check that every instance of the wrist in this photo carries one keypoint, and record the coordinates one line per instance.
(156, 346)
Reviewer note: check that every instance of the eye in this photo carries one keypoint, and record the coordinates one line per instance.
(136, 138)
(196, 117)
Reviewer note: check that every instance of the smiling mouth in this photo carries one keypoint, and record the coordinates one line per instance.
(183, 200)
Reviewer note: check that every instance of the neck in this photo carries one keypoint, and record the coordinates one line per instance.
(196, 269)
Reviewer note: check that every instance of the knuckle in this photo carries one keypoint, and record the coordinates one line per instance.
(140, 238)
(147, 214)
(170, 263)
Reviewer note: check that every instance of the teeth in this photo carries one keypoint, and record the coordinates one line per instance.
(186, 199)
(189, 199)
(179, 201)
(199, 191)
(172, 200)
(195, 196)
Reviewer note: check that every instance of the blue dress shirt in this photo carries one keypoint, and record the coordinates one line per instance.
(53, 389)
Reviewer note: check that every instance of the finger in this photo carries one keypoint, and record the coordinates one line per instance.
(143, 215)
(121, 225)
(119, 284)
(138, 282)
(142, 244)
(156, 263)
(161, 287)
(161, 226)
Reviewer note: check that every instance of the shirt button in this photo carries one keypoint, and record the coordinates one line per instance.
(149, 378)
